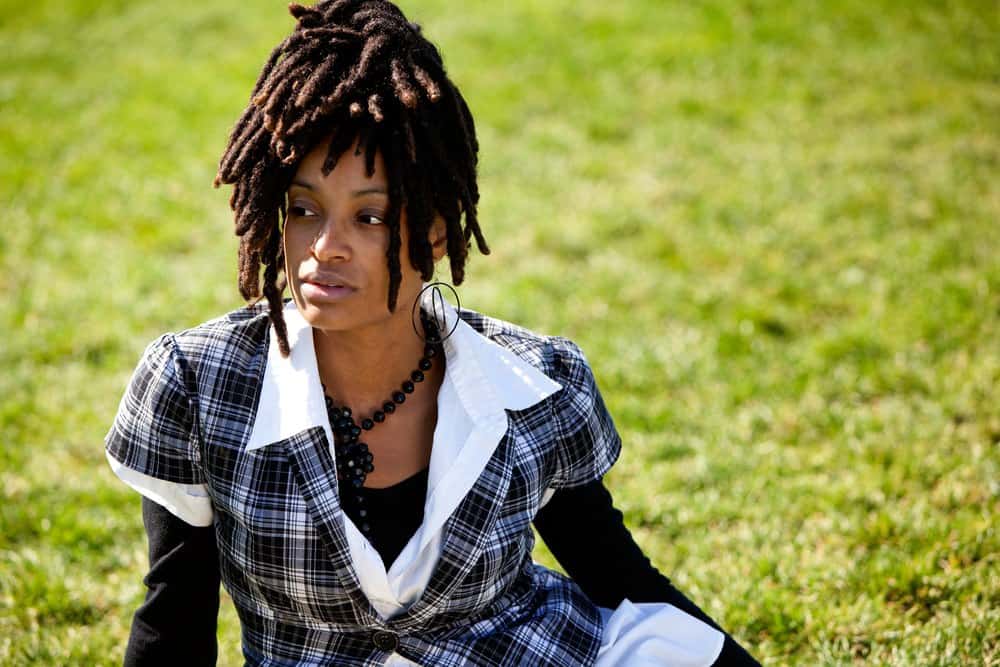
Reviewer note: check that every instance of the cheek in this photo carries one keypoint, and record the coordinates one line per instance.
(296, 242)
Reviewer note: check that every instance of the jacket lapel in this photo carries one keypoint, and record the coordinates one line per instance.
(315, 473)
(465, 535)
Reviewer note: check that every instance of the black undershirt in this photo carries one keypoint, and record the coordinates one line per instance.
(394, 513)
(580, 526)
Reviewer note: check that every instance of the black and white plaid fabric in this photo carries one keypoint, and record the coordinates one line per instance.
(186, 418)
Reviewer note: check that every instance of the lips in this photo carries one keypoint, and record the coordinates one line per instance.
(326, 287)
(327, 280)
(322, 294)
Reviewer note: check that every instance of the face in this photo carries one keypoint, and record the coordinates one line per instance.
(335, 246)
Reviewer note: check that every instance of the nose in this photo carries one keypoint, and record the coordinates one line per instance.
(331, 242)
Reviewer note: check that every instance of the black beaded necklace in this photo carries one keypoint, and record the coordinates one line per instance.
(354, 460)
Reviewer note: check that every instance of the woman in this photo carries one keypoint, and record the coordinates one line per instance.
(361, 465)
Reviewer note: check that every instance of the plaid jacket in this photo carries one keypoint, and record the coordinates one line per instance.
(187, 417)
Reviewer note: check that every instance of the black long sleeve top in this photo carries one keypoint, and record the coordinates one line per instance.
(176, 624)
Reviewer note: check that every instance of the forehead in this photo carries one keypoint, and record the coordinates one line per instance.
(350, 165)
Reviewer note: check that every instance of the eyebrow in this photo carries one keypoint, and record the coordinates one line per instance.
(357, 193)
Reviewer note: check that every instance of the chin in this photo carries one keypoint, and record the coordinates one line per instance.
(335, 317)
(325, 316)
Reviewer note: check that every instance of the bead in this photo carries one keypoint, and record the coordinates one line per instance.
(354, 459)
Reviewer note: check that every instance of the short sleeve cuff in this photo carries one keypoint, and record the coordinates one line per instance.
(188, 502)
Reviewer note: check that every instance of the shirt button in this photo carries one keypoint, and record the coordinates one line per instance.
(385, 640)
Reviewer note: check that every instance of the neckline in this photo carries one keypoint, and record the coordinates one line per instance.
(419, 477)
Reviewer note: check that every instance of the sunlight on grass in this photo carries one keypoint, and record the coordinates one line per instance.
(772, 228)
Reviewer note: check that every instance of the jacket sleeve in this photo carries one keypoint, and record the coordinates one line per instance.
(588, 443)
(153, 444)
(154, 430)
(176, 625)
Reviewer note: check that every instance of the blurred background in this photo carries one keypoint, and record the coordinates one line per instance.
(772, 226)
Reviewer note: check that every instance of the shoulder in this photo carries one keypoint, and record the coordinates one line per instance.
(588, 442)
(557, 356)
(241, 329)
(237, 336)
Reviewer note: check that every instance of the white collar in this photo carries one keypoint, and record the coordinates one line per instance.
(489, 379)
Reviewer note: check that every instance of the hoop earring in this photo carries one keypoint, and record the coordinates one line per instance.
(436, 315)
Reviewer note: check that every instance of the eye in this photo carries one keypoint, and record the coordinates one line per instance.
(371, 218)
(300, 212)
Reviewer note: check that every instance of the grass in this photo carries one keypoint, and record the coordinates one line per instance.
(773, 228)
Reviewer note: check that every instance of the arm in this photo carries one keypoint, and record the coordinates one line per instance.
(580, 525)
(176, 624)
(587, 535)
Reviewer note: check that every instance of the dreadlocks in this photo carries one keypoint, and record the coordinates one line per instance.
(359, 71)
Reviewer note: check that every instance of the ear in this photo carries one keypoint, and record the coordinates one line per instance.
(438, 237)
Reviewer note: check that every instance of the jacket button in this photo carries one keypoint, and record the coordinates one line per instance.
(385, 640)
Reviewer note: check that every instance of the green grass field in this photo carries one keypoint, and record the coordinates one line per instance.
(773, 227)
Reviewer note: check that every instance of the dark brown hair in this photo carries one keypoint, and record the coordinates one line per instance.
(359, 71)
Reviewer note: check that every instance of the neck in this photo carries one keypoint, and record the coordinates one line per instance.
(362, 369)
